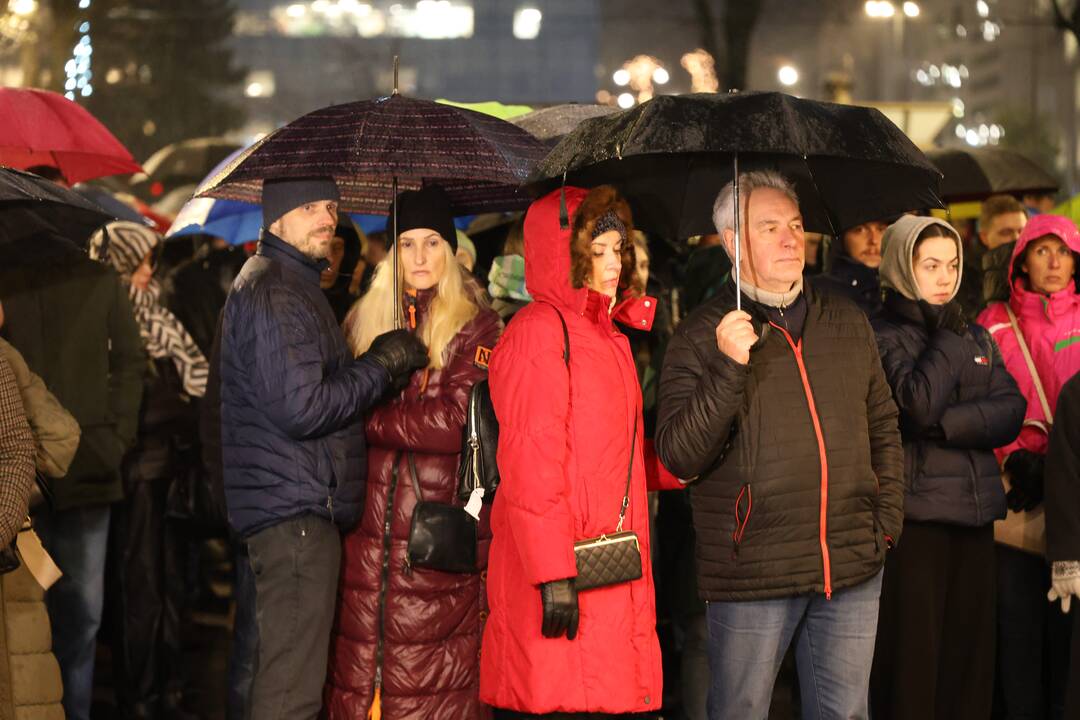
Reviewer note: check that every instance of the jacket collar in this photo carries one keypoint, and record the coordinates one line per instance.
(904, 308)
(1026, 302)
(273, 247)
(854, 273)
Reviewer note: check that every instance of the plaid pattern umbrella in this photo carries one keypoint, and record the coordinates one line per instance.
(480, 161)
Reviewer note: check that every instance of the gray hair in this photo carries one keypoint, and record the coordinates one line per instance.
(724, 207)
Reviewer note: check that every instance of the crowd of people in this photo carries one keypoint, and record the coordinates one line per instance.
(864, 454)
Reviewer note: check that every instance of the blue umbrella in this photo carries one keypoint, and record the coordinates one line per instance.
(240, 222)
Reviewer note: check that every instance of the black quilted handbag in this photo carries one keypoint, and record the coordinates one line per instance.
(442, 537)
(610, 559)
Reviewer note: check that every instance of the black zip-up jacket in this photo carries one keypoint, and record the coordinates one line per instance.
(855, 281)
(797, 455)
(1063, 477)
(957, 403)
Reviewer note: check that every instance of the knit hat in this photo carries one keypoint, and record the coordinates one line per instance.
(428, 207)
(897, 270)
(282, 195)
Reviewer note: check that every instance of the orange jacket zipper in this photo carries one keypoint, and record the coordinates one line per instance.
(823, 459)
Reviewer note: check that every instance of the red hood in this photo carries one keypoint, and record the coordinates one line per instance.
(547, 261)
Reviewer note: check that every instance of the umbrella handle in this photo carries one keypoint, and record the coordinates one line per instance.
(394, 248)
(738, 234)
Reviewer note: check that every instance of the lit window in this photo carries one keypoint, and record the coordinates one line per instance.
(527, 23)
(259, 84)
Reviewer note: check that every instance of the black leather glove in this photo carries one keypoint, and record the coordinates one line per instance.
(1025, 471)
(949, 316)
(401, 353)
(559, 599)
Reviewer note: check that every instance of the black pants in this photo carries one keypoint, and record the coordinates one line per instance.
(936, 631)
(147, 577)
(296, 565)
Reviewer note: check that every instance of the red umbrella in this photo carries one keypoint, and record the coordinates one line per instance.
(38, 127)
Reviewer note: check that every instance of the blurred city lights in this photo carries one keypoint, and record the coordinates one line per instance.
(982, 8)
(702, 69)
(911, 9)
(527, 23)
(990, 31)
(788, 75)
(980, 135)
(77, 69)
(660, 76)
(621, 77)
(296, 11)
(958, 108)
(879, 8)
(626, 100)
(23, 7)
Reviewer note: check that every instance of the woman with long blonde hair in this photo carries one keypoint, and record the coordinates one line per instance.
(407, 639)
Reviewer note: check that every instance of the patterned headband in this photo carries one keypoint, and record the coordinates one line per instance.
(607, 222)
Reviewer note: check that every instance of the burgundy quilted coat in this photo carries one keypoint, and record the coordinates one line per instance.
(427, 623)
(564, 451)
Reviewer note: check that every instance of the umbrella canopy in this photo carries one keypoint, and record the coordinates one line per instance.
(480, 161)
(550, 124)
(978, 173)
(113, 205)
(671, 155)
(30, 205)
(38, 127)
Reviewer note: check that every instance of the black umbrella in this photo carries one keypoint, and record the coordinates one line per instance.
(978, 173)
(671, 155)
(31, 206)
(551, 124)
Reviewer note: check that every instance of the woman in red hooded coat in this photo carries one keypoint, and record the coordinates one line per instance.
(406, 640)
(569, 432)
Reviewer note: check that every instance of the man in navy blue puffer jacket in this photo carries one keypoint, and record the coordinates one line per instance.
(292, 403)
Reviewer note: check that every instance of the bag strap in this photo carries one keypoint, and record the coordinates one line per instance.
(565, 334)
(629, 475)
(1031, 365)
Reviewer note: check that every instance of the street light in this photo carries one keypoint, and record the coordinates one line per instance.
(788, 75)
(911, 9)
(660, 76)
(621, 77)
(879, 8)
(22, 7)
(626, 100)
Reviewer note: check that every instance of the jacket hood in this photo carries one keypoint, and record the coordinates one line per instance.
(547, 262)
(897, 271)
(1037, 227)
(547, 250)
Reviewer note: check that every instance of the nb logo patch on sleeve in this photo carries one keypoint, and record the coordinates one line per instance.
(483, 357)
(982, 360)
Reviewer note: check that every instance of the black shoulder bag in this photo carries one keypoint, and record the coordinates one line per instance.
(442, 537)
(480, 441)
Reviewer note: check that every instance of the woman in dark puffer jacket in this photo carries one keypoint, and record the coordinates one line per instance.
(406, 643)
(935, 648)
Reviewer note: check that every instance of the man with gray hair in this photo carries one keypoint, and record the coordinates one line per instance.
(781, 416)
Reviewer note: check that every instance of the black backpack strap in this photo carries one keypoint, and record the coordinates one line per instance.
(565, 334)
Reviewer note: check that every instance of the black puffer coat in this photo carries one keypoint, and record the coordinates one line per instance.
(292, 397)
(797, 455)
(855, 281)
(957, 403)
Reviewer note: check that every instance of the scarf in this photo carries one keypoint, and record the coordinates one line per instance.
(162, 334)
(506, 279)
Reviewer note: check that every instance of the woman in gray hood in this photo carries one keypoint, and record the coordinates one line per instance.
(935, 648)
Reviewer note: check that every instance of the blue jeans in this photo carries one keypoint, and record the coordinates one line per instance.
(833, 652)
(77, 540)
